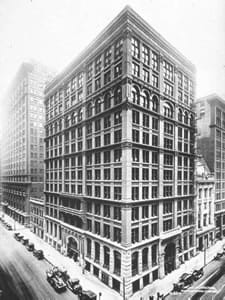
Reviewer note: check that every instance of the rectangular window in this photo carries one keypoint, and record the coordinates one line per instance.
(135, 48)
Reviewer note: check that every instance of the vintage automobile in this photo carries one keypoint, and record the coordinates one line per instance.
(197, 274)
(25, 241)
(30, 247)
(61, 272)
(9, 227)
(218, 255)
(178, 287)
(16, 234)
(74, 285)
(19, 237)
(186, 278)
(56, 282)
(39, 254)
(88, 295)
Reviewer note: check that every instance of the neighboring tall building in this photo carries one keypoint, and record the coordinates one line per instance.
(210, 112)
(205, 193)
(120, 156)
(23, 141)
(37, 216)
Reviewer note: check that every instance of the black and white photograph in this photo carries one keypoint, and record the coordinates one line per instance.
(112, 150)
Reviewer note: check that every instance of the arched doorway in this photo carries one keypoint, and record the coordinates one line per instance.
(169, 259)
(72, 248)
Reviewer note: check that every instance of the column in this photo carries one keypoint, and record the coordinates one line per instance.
(126, 273)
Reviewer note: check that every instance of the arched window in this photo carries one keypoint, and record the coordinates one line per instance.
(145, 100)
(73, 118)
(60, 125)
(180, 115)
(106, 257)
(155, 104)
(97, 106)
(117, 263)
(186, 118)
(168, 110)
(134, 263)
(145, 259)
(80, 115)
(67, 121)
(89, 110)
(56, 127)
(118, 95)
(107, 101)
(135, 95)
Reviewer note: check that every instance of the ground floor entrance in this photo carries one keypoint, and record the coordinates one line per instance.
(169, 259)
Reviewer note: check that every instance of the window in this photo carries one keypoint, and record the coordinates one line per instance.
(107, 57)
(118, 70)
(154, 191)
(154, 140)
(135, 155)
(145, 75)
(117, 193)
(118, 48)
(154, 229)
(97, 106)
(145, 174)
(98, 62)
(107, 192)
(168, 70)
(106, 211)
(167, 225)
(145, 192)
(168, 89)
(135, 50)
(135, 173)
(145, 232)
(146, 120)
(168, 159)
(155, 61)
(135, 235)
(145, 139)
(107, 122)
(107, 157)
(135, 117)
(106, 139)
(167, 191)
(118, 95)
(107, 77)
(89, 71)
(135, 69)
(135, 213)
(155, 81)
(145, 212)
(117, 118)
(117, 136)
(145, 55)
(135, 95)
(168, 143)
(106, 174)
(135, 136)
(107, 101)
(167, 207)
(117, 173)
(135, 193)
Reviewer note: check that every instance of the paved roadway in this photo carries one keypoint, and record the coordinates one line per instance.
(22, 276)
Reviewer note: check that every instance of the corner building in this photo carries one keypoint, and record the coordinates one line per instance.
(210, 112)
(23, 141)
(120, 157)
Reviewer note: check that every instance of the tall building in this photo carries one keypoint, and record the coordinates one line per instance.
(210, 111)
(205, 193)
(23, 140)
(120, 156)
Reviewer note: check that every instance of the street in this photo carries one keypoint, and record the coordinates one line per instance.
(22, 276)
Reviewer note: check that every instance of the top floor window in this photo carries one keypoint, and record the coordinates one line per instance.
(107, 56)
(118, 48)
(98, 63)
(135, 48)
(155, 61)
(145, 55)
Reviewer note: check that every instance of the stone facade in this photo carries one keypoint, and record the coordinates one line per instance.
(37, 216)
(120, 134)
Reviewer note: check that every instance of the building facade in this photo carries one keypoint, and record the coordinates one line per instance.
(205, 193)
(37, 216)
(119, 192)
(210, 112)
(23, 141)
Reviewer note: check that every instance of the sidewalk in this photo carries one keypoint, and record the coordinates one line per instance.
(165, 285)
(88, 281)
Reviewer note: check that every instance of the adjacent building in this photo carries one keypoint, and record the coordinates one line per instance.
(119, 161)
(210, 112)
(23, 141)
(205, 193)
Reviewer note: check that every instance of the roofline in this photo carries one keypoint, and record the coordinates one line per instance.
(127, 12)
(210, 97)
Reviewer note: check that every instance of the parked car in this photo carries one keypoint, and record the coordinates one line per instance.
(186, 278)
(178, 287)
(25, 241)
(16, 234)
(30, 247)
(74, 285)
(88, 295)
(9, 227)
(56, 282)
(218, 255)
(197, 274)
(39, 254)
(19, 237)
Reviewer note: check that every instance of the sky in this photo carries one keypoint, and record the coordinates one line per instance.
(54, 32)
